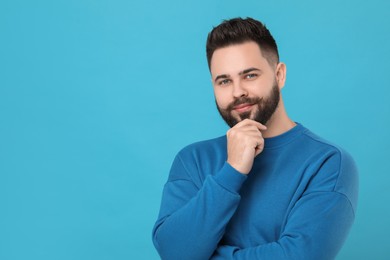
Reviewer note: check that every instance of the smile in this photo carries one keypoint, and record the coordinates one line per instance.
(243, 108)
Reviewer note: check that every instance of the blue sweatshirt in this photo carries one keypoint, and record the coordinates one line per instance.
(298, 201)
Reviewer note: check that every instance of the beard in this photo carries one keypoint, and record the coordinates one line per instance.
(262, 113)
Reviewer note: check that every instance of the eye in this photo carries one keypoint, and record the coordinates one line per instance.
(251, 76)
(224, 82)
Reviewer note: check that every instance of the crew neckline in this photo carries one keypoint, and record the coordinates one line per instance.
(286, 137)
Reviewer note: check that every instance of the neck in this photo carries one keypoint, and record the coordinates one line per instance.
(279, 123)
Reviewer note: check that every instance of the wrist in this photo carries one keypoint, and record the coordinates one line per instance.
(230, 178)
(238, 168)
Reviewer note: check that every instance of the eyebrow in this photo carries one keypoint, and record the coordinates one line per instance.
(224, 76)
(248, 70)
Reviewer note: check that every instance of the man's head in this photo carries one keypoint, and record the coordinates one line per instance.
(245, 69)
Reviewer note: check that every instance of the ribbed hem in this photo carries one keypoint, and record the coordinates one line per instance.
(230, 178)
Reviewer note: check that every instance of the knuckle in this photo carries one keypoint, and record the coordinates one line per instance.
(232, 132)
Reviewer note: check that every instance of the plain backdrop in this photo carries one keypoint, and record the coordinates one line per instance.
(98, 96)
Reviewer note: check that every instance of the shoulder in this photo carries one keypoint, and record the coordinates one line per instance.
(203, 148)
(199, 159)
(341, 156)
(335, 163)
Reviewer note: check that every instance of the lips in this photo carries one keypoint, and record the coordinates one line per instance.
(243, 107)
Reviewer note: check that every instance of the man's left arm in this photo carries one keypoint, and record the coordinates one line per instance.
(317, 225)
(316, 229)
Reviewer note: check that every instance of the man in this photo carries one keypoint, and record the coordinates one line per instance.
(270, 188)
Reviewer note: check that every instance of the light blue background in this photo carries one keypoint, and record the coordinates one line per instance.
(97, 97)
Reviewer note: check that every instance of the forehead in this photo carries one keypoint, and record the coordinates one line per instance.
(238, 57)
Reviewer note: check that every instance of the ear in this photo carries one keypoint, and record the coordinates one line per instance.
(280, 74)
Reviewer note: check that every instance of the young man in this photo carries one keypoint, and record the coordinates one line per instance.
(270, 188)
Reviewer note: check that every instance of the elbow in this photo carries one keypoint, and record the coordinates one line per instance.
(170, 248)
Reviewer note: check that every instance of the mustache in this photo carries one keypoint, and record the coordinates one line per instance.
(243, 100)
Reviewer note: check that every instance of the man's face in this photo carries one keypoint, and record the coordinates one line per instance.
(244, 84)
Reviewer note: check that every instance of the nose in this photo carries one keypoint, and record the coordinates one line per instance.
(239, 90)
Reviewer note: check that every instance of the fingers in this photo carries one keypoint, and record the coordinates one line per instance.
(259, 148)
(249, 133)
(249, 128)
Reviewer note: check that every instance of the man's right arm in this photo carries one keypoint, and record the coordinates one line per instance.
(192, 219)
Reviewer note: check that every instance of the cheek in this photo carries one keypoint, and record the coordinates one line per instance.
(257, 87)
(221, 98)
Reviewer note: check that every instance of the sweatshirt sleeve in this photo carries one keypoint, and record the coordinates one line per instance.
(316, 229)
(192, 219)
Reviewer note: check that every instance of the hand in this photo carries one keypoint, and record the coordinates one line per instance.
(244, 143)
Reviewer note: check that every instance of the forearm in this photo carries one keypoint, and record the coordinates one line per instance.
(317, 229)
(194, 230)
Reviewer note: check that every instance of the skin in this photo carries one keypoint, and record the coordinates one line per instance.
(240, 70)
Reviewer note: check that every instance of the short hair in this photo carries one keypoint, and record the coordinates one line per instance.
(238, 30)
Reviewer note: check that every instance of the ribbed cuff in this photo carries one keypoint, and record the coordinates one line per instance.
(230, 178)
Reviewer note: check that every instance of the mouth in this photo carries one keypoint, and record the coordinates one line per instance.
(243, 107)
